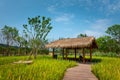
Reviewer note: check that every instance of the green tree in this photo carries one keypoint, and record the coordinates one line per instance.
(107, 44)
(10, 35)
(36, 31)
(82, 35)
(21, 43)
(114, 32)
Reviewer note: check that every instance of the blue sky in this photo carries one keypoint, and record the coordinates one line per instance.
(69, 17)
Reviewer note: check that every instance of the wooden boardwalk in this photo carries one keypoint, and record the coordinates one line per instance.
(80, 72)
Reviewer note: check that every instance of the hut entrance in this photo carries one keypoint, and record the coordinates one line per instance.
(75, 44)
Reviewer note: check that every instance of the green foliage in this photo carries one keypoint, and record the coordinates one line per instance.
(37, 29)
(36, 32)
(43, 68)
(21, 41)
(82, 35)
(10, 34)
(107, 44)
(109, 54)
(114, 31)
(110, 43)
(107, 69)
(44, 51)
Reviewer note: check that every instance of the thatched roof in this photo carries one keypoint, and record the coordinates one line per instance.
(84, 42)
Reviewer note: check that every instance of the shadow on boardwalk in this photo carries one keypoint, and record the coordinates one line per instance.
(80, 72)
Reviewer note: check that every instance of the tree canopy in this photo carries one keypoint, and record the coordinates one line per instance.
(10, 34)
(114, 32)
(81, 35)
(36, 31)
(107, 44)
(110, 43)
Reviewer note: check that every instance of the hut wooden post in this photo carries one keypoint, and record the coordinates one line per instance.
(66, 54)
(53, 52)
(63, 53)
(75, 53)
(90, 54)
(83, 56)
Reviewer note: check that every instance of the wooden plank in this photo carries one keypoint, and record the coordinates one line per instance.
(24, 62)
(80, 72)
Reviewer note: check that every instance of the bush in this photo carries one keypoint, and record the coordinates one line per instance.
(44, 51)
(109, 54)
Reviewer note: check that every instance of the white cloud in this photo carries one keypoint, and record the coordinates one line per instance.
(105, 6)
(100, 24)
(98, 27)
(110, 6)
(52, 9)
(61, 16)
(64, 18)
(93, 33)
(114, 7)
(87, 21)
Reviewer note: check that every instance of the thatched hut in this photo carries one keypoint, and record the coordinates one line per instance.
(75, 43)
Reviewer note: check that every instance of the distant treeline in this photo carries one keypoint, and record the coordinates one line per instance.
(18, 51)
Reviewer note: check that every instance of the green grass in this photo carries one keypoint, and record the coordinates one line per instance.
(107, 69)
(43, 68)
(46, 68)
(7, 60)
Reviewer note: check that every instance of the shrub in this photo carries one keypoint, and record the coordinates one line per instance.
(109, 54)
